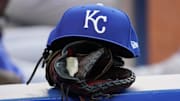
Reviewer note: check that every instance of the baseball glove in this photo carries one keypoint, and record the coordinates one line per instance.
(87, 69)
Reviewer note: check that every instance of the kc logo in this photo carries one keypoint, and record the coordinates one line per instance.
(89, 17)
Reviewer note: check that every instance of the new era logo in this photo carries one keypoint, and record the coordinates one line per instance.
(134, 44)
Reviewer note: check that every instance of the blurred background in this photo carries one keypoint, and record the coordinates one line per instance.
(26, 25)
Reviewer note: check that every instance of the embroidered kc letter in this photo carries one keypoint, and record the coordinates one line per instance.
(89, 17)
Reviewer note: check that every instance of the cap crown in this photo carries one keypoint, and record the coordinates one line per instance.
(100, 23)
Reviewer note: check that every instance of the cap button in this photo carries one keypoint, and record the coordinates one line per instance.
(100, 4)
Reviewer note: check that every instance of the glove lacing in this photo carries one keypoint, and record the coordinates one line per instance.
(44, 57)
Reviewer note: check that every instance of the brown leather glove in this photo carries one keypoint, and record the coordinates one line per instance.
(86, 69)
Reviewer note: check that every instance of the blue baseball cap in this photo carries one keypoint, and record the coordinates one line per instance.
(99, 23)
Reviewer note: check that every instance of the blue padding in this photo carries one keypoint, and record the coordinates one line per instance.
(156, 95)
(146, 88)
